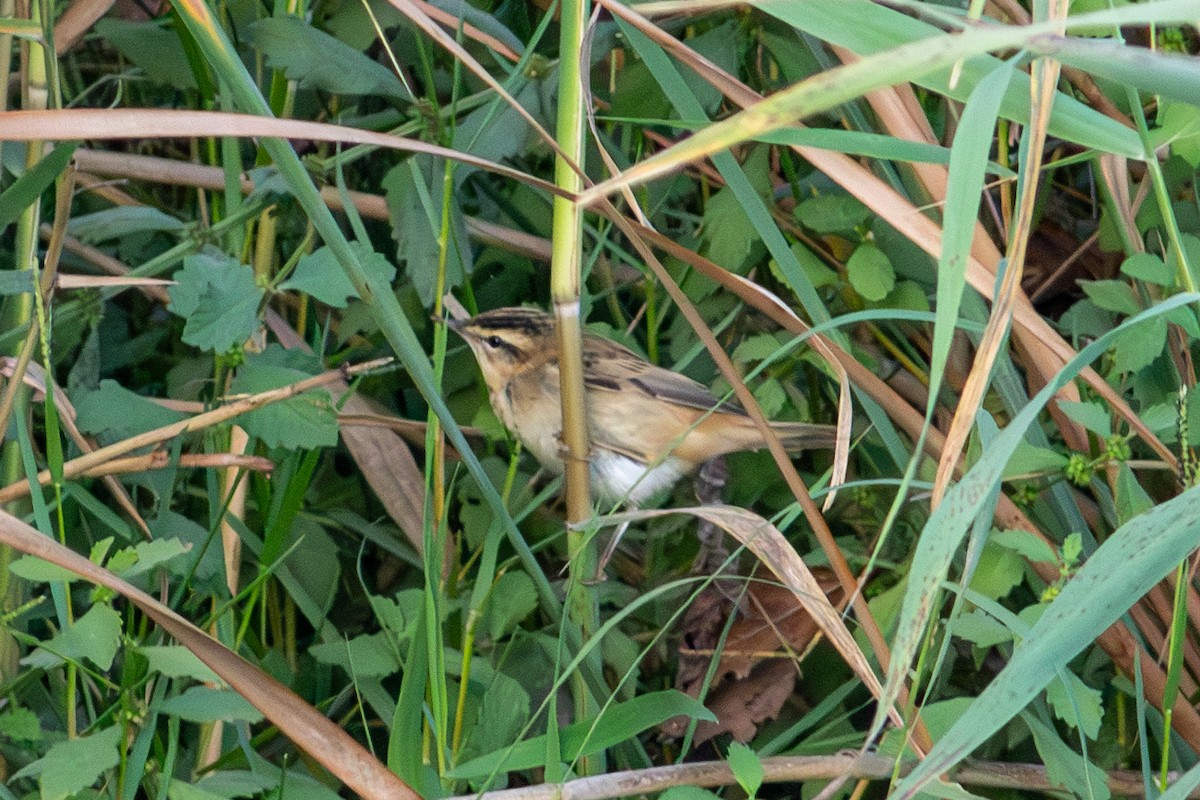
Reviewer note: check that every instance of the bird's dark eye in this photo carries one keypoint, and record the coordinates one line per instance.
(493, 341)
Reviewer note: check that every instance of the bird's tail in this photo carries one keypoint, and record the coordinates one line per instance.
(804, 435)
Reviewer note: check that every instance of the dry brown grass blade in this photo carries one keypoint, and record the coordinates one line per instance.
(160, 459)
(77, 20)
(1049, 351)
(418, 17)
(1026, 778)
(105, 263)
(1042, 89)
(371, 206)
(107, 282)
(78, 466)
(140, 123)
(773, 550)
(233, 485)
(317, 735)
(469, 30)
(410, 430)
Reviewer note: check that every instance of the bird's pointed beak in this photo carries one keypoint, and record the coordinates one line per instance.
(453, 324)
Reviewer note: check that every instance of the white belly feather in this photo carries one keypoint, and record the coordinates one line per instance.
(619, 478)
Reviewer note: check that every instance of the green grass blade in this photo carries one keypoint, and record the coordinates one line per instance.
(949, 523)
(1137, 556)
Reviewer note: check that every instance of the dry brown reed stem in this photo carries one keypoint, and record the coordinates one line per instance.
(106, 263)
(1116, 641)
(80, 465)
(160, 459)
(792, 769)
(454, 22)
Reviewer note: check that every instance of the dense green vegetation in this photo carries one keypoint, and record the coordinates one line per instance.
(969, 237)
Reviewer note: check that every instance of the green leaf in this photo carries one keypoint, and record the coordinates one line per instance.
(729, 237)
(95, 636)
(371, 655)
(814, 269)
(1140, 344)
(319, 61)
(176, 661)
(157, 51)
(148, 555)
(999, 571)
(980, 629)
(318, 274)
(206, 704)
(116, 223)
(870, 272)
(112, 407)
(219, 299)
(756, 348)
(688, 793)
(1112, 296)
(1129, 497)
(29, 187)
(38, 570)
(616, 724)
(178, 790)
(414, 200)
(72, 766)
(832, 213)
(747, 768)
(1065, 767)
(1180, 124)
(503, 713)
(20, 724)
(306, 421)
(1026, 544)
(1092, 416)
(1031, 460)
(1072, 696)
(513, 599)
(1149, 268)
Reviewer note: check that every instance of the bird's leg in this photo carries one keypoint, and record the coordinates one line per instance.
(710, 481)
(609, 549)
(714, 549)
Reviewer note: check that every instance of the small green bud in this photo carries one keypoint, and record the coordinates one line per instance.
(1078, 470)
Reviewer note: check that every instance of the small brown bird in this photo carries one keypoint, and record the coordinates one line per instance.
(649, 426)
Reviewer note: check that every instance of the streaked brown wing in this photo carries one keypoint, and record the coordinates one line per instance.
(609, 366)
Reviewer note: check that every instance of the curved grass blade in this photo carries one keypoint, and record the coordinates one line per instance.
(949, 522)
(139, 123)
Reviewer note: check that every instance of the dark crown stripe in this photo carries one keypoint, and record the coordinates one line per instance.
(513, 320)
